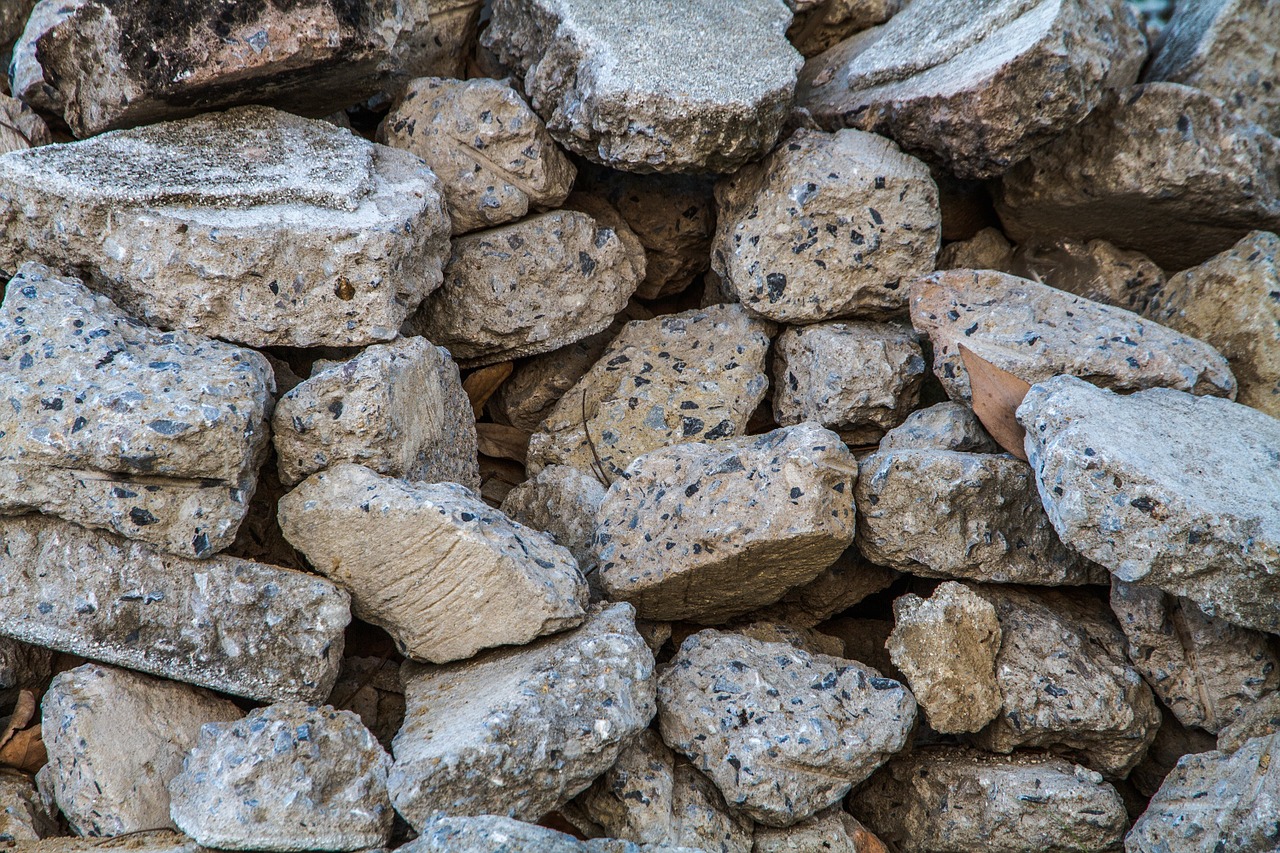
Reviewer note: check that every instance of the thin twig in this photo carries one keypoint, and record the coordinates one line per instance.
(598, 467)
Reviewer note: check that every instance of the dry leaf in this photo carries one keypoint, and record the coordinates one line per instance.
(503, 442)
(21, 717)
(864, 841)
(996, 395)
(483, 383)
(498, 477)
(25, 750)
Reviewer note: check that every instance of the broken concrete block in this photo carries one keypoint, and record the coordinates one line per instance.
(857, 378)
(159, 841)
(946, 645)
(784, 734)
(942, 426)
(1066, 683)
(820, 24)
(370, 688)
(1229, 303)
(21, 818)
(20, 127)
(447, 44)
(693, 376)
(115, 739)
(1173, 740)
(601, 76)
(491, 152)
(397, 408)
(561, 502)
(528, 288)
(26, 78)
(832, 830)
(286, 777)
(944, 798)
(844, 583)
(1260, 719)
(1035, 332)
(463, 578)
(157, 436)
(986, 250)
(522, 731)
(231, 625)
(252, 225)
(1163, 169)
(22, 667)
(706, 532)
(976, 87)
(827, 226)
(492, 833)
(1164, 489)
(1095, 270)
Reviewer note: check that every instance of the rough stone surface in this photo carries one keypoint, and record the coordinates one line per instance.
(828, 225)
(155, 436)
(496, 834)
(806, 639)
(310, 57)
(986, 250)
(976, 87)
(946, 645)
(231, 625)
(1228, 302)
(161, 841)
(448, 42)
(1206, 671)
(22, 667)
(651, 797)
(1165, 490)
(706, 532)
(944, 798)
(943, 426)
(522, 731)
(562, 502)
(693, 376)
(20, 127)
(832, 830)
(943, 513)
(782, 733)
(251, 225)
(1172, 741)
(491, 152)
(441, 571)
(20, 817)
(1260, 719)
(1035, 332)
(857, 378)
(1228, 48)
(653, 86)
(1214, 801)
(370, 688)
(1164, 169)
(26, 77)
(115, 739)
(1095, 270)
(1066, 682)
(844, 583)
(287, 777)
(820, 25)
(397, 408)
(13, 17)
(528, 288)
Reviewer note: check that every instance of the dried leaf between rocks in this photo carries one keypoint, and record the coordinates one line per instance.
(484, 383)
(20, 743)
(503, 442)
(996, 396)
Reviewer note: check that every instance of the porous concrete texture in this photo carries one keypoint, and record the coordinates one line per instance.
(832, 830)
(252, 225)
(1260, 719)
(651, 86)
(397, 408)
(706, 532)
(783, 733)
(522, 731)
(157, 436)
(976, 86)
(235, 626)
(827, 226)
(287, 777)
(1180, 195)
(942, 426)
(445, 574)
(944, 798)
(1036, 332)
(21, 818)
(491, 152)
(1164, 489)
(26, 76)
(1095, 270)
(820, 24)
(107, 782)
(693, 376)
(529, 287)
(844, 583)
(561, 502)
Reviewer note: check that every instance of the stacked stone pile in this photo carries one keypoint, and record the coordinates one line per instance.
(622, 426)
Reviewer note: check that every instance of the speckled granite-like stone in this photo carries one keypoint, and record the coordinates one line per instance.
(647, 85)
(976, 86)
(562, 502)
(828, 225)
(491, 152)
(693, 376)
(783, 733)
(288, 777)
(252, 225)
(445, 574)
(232, 625)
(522, 731)
(157, 436)
(706, 532)
(1034, 332)
(944, 798)
(942, 426)
(1164, 489)
(495, 834)
(397, 408)
(115, 738)
(529, 287)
